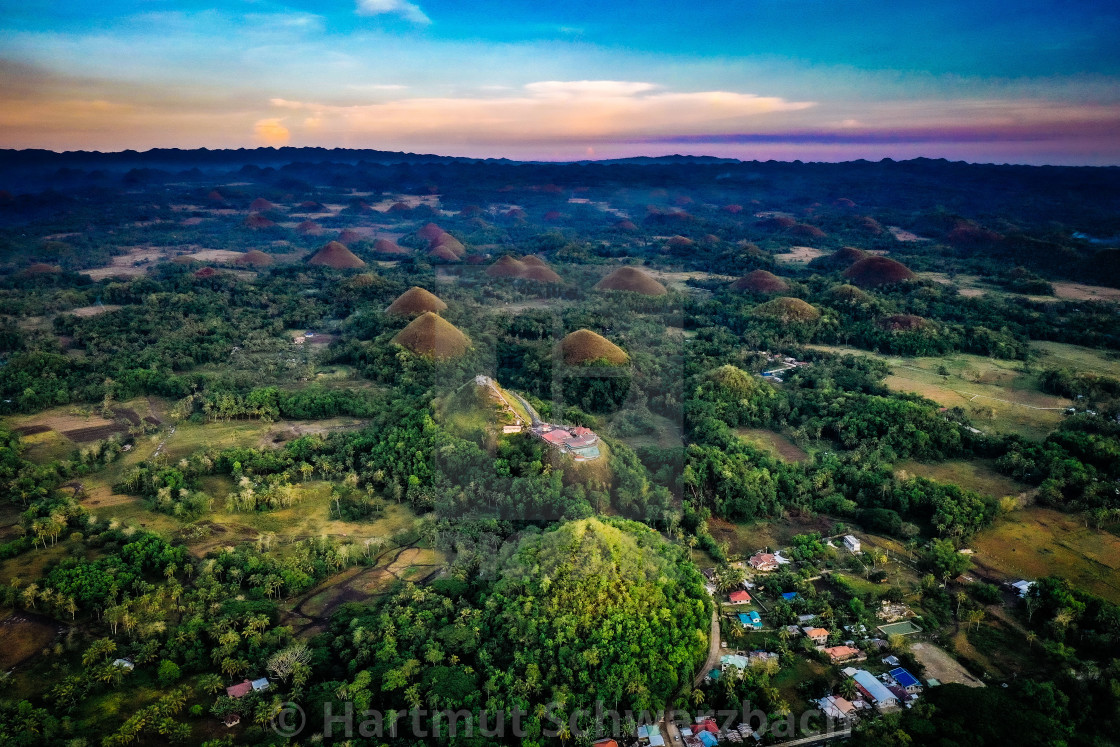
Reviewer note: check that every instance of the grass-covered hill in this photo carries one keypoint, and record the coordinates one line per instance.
(602, 609)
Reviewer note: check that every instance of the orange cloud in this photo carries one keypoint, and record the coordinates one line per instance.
(271, 132)
(546, 111)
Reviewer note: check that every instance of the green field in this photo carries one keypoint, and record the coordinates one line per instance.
(975, 383)
(978, 474)
(1061, 355)
(774, 443)
(1039, 542)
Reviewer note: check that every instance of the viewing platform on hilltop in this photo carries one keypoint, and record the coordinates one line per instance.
(581, 443)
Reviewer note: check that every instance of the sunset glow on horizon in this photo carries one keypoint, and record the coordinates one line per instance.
(799, 79)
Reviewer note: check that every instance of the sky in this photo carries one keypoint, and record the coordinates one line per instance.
(1035, 81)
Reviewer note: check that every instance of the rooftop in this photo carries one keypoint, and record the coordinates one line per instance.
(877, 690)
(904, 678)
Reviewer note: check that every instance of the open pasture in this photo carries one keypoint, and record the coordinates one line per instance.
(774, 443)
(1037, 541)
(1000, 395)
(978, 474)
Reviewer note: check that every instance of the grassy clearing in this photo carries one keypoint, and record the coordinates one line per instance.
(789, 677)
(972, 381)
(30, 565)
(1083, 292)
(1059, 354)
(799, 255)
(969, 286)
(1039, 542)
(24, 636)
(311, 517)
(666, 435)
(773, 443)
(979, 475)
(747, 539)
(1006, 651)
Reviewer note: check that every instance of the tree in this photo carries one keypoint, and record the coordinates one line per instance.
(168, 673)
(942, 558)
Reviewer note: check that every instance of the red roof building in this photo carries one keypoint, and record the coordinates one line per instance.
(763, 561)
(740, 597)
(239, 690)
(556, 437)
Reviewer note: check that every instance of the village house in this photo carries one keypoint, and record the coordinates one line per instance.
(739, 597)
(763, 562)
(908, 682)
(818, 636)
(873, 690)
(851, 542)
(651, 735)
(837, 708)
(241, 689)
(751, 620)
(841, 654)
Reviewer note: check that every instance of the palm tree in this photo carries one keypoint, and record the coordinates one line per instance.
(847, 689)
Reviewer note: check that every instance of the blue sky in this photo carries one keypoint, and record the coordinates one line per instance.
(1033, 82)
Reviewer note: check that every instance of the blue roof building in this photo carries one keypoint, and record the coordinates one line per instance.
(750, 619)
(707, 738)
(905, 680)
(789, 596)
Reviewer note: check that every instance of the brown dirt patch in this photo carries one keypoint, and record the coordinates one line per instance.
(24, 635)
(93, 433)
(942, 667)
(221, 256)
(30, 430)
(799, 255)
(1082, 292)
(135, 262)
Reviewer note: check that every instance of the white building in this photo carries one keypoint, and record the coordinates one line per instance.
(851, 542)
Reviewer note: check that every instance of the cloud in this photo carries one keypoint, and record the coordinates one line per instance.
(588, 88)
(271, 132)
(403, 8)
(545, 111)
